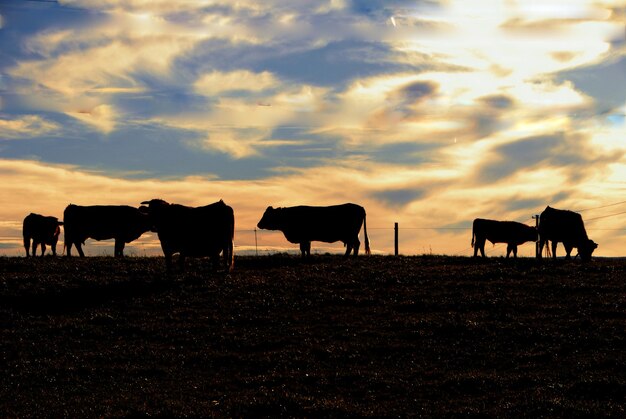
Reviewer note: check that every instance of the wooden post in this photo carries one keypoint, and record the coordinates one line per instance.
(395, 238)
(256, 244)
(537, 250)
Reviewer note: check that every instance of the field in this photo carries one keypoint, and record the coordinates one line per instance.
(394, 336)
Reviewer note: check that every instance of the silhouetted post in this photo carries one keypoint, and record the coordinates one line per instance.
(537, 249)
(256, 244)
(395, 238)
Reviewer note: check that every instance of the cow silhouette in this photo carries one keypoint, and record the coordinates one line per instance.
(193, 231)
(567, 227)
(102, 222)
(304, 224)
(510, 232)
(42, 230)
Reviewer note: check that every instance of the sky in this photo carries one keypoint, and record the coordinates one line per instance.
(428, 113)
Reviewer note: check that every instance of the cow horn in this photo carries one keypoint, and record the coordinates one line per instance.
(145, 203)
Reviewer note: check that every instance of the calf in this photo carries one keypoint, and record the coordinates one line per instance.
(510, 232)
(43, 230)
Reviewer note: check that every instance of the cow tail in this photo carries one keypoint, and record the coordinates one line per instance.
(367, 240)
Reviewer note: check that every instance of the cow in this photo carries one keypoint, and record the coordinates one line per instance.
(510, 232)
(102, 222)
(42, 230)
(194, 231)
(304, 224)
(568, 228)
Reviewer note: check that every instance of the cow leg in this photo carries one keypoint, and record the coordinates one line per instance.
(43, 248)
(79, 247)
(305, 248)
(53, 246)
(479, 245)
(554, 244)
(509, 249)
(357, 245)
(568, 250)
(119, 248)
(228, 256)
(348, 250)
(27, 246)
(34, 251)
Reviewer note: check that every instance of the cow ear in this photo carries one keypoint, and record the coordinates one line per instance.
(145, 203)
(269, 209)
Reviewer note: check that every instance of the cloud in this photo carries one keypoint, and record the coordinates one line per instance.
(572, 153)
(399, 197)
(217, 82)
(238, 144)
(101, 117)
(26, 126)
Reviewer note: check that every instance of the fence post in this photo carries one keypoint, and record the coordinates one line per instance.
(537, 250)
(256, 244)
(395, 238)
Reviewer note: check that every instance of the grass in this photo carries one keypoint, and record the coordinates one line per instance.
(373, 336)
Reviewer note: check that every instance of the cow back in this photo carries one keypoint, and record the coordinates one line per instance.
(562, 226)
(325, 224)
(103, 222)
(511, 232)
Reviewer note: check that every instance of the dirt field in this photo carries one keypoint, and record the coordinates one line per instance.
(430, 336)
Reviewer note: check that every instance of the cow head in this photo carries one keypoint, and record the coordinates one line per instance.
(586, 249)
(270, 219)
(151, 210)
(154, 203)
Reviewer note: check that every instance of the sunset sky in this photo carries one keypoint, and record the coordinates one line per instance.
(427, 113)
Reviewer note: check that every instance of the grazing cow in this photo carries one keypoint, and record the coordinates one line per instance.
(102, 222)
(568, 228)
(305, 224)
(42, 230)
(510, 232)
(194, 231)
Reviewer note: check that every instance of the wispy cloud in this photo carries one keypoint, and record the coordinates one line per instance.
(26, 126)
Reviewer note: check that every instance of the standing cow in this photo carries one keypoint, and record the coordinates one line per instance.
(102, 222)
(568, 228)
(194, 231)
(304, 224)
(510, 232)
(42, 230)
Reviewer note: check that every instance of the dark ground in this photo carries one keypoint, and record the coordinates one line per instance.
(429, 336)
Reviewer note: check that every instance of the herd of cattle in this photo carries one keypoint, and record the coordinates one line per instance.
(192, 231)
(209, 230)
